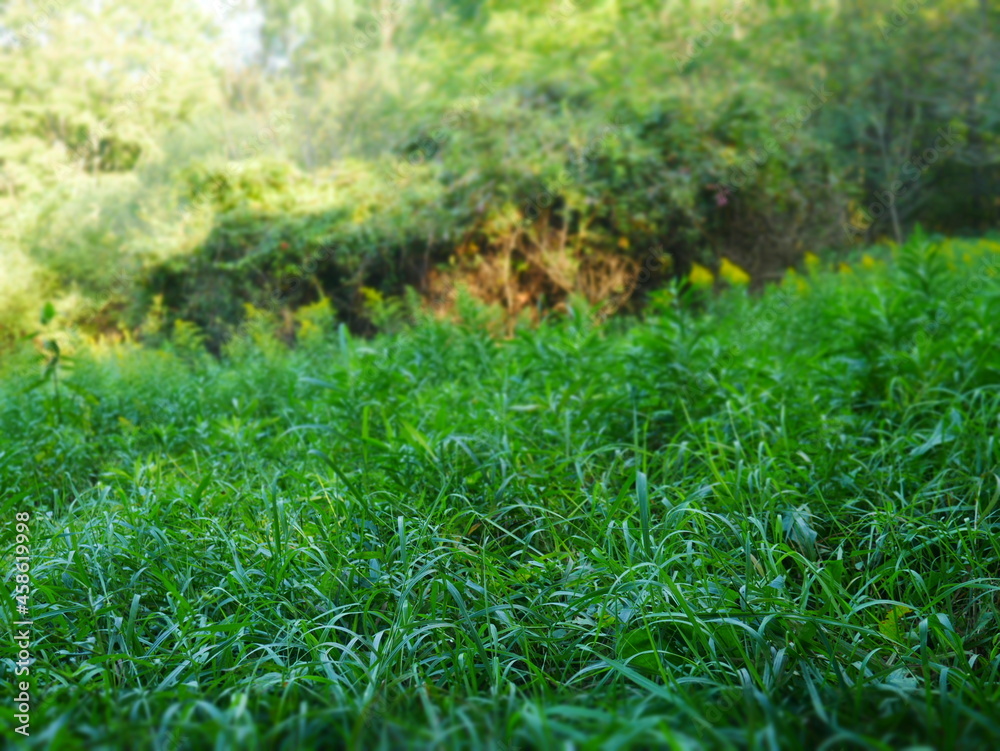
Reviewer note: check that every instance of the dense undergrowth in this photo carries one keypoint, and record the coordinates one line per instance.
(740, 522)
(534, 150)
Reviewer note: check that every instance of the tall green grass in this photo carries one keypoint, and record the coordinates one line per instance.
(740, 523)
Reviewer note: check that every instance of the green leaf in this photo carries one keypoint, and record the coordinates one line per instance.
(796, 526)
(643, 496)
(419, 438)
(48, 313)
(638, 649)
(834, 571)
(892, 625)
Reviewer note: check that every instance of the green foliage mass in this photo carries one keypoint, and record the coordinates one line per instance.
(536, 151)
(770, 524)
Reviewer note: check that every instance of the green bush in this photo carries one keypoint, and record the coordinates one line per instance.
(530, 152)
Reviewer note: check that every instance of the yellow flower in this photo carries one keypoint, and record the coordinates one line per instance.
(307, 329)
(868, 262)
(733, 273)
(314, 319)
(700, 276)
(812, 261)
(623, 243)
(372, 296)
(843, 268)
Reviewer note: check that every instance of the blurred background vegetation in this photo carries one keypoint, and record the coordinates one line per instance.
(206, 162)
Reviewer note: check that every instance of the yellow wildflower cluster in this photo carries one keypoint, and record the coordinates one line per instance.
(733, 273)
(701, 276)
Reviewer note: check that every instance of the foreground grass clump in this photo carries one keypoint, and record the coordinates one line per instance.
(770, 524)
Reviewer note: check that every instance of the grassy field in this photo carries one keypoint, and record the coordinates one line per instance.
(742, 522)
